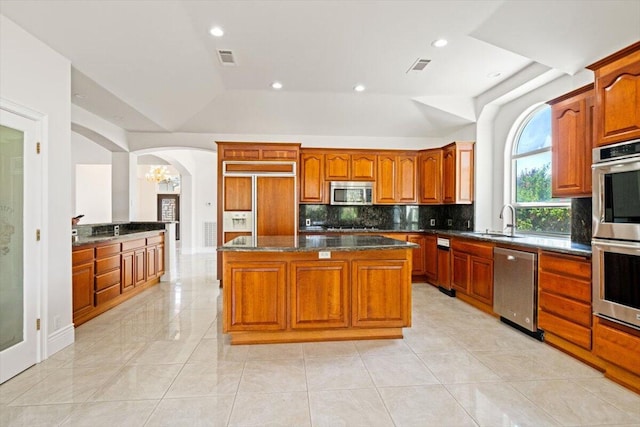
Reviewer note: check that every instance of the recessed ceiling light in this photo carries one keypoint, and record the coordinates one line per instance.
(494, 75)
(439, 43)
(276, 85)
(359, 88)
(216, 32)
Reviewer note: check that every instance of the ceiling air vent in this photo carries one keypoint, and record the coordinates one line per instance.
(419, 65)
(226, 57)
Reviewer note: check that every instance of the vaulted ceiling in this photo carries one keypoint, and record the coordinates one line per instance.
(152, 66)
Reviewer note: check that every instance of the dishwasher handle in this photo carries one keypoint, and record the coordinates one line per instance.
(511, 258)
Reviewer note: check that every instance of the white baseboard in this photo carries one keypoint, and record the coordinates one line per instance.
(60, 339)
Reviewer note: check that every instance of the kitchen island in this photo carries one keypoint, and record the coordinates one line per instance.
(315, 288)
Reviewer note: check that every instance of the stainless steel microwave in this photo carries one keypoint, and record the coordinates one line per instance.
(351, 193)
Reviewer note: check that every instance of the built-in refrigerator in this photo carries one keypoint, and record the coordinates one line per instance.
(259, 199)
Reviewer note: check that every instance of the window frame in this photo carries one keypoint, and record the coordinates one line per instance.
(520, 124)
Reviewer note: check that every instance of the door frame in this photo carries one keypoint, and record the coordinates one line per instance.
(39, 186)
(176, 197)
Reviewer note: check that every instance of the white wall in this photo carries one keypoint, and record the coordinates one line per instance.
(93, 193)
(35, 76)
(205, 195)
(85, 152)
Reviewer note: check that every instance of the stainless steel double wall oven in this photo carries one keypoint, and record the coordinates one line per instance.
(616, 232)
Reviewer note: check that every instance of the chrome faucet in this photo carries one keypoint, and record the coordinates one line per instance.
(513, 218)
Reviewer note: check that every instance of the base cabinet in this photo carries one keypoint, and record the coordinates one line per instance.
(472, 272)
(294, 296)
(104, 275)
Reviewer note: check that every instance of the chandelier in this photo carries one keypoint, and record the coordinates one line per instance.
(158, 174)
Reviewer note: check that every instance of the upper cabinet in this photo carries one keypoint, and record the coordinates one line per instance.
(343, 166)
(312, 183)
(396, 181)
(572, 141)
(252, 151)
(457, 173)
(431, 176)
(617, 88)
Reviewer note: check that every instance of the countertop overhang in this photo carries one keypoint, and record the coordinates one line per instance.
(314, 242)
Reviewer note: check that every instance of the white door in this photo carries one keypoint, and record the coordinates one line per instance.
(20, 269)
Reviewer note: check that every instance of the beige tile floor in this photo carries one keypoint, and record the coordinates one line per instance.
(160, 360)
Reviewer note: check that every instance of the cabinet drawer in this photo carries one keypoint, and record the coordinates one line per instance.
(617, 346)
(105, 251)
(479, 250)
(570, 331)
(105, 280)
(106, 264)
(566, 308)
(132, 244)
(566, 265)
(107, 294)
(82, 256)
(154, 240)
(565, 286)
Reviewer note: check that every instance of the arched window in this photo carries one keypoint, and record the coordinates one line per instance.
(536, 210)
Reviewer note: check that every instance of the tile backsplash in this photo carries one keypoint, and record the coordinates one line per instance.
(581, 220)
(389, 216)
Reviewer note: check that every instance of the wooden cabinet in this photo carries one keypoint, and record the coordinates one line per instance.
(619, 345)
(350, 166)
(257, 292)
(572, 142)
(444, 269)
(418, 262)
(82, 281)
(237, 193)
(396, 178)
(472, 271)
(457, 173)
(430, 162)
(312, 183)
(564, 297)
(257, 151)
(320, 294)
(104, 275)
(430, 249)
(107, 271)
(378, 298)
(617, 87)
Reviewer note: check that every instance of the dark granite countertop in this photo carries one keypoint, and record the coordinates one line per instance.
(554, 244)
(314, 242)
(123, 237)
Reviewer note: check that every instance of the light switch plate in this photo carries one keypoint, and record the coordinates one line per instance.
(324, 254)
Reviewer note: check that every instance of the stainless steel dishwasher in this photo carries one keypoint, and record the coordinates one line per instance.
(515, 289)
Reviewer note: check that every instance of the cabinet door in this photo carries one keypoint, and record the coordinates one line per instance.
(127, 269)
(618, 103)
(312, 178)
(319, 294)
(82, 280)
(481, 279)
(407, 179)
(431, 176)
(444, 268)
(237, 193)
(256, 291)
(449, 175)
(337, 167)
(386, 179)
(139, 267)
(431, 258)
(276, 208)
(152, 262)
(160, 259)
(418, 258)
(363, 167)
(569, 135)
(460, 271)
(378, 298)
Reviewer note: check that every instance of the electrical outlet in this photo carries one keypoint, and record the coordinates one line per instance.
(307, 222)
(432, 222)
(449, 222)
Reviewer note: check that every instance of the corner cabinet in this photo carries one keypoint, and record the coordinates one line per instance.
(617, 88)
(572, 142)
(430, 164)
(457, 173)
